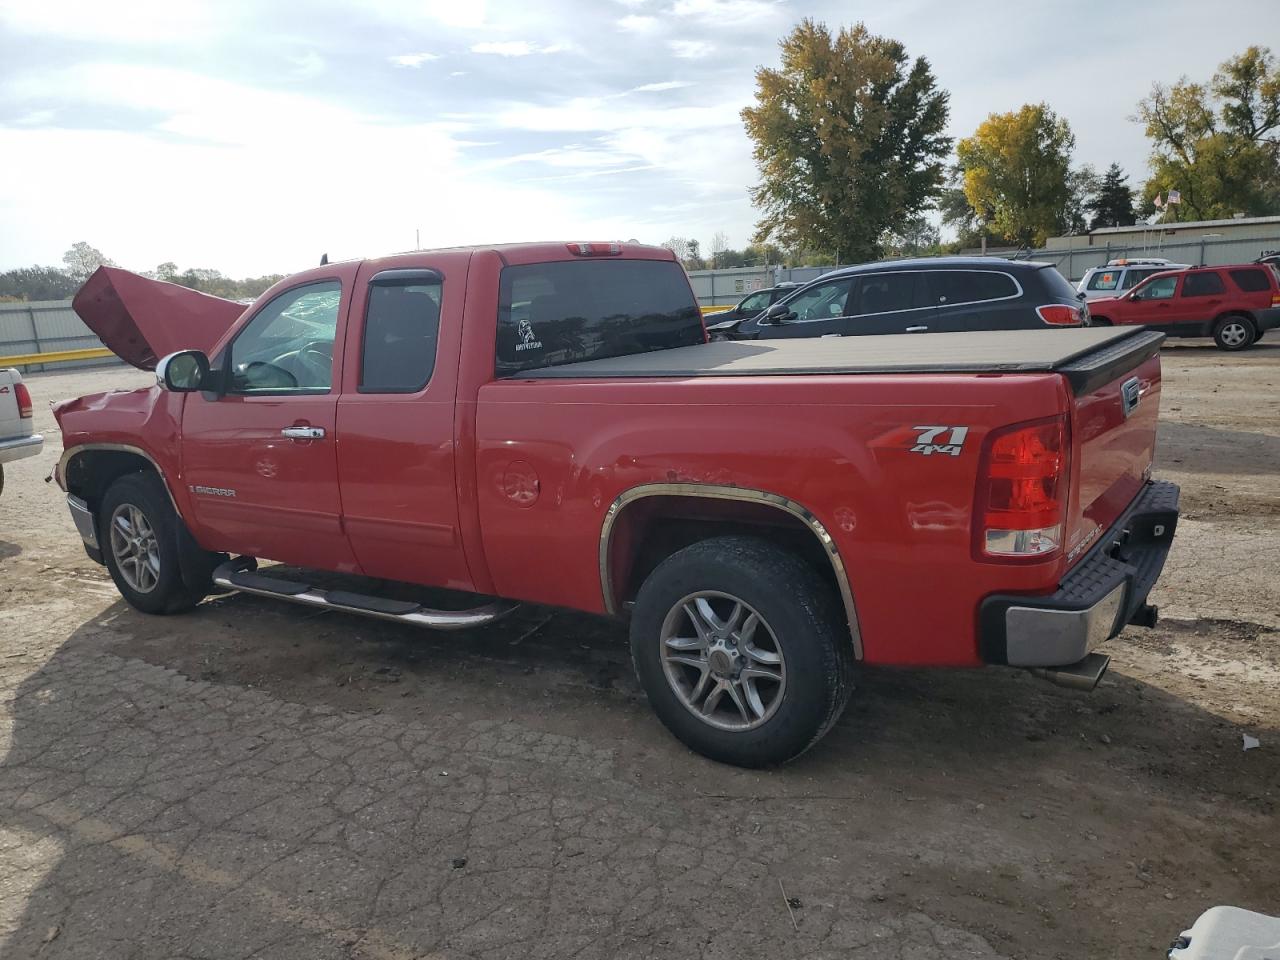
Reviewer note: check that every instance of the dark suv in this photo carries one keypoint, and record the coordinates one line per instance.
(935, 295)
(752, 305)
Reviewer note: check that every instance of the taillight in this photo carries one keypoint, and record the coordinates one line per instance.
(23, 397)
(1061, 315)
(1275, 299)
(1022, 490)
(595, 249)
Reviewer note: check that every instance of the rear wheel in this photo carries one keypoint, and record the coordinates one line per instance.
(138, 533)
(1234, 333)
(742, 650)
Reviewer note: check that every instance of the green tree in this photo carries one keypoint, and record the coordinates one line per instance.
(918, 237)
(37, 283)
(849, 140)
(1217, 144)
(1016, 172)
(81, 260)
(1112, 203)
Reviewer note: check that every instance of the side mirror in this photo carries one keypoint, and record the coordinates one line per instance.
(1136, 295)
(777, 313)
(183, 372)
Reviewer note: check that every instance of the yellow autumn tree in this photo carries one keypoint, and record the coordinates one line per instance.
(1016, 173)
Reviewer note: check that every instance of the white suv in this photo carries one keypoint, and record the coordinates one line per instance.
(1119, 275)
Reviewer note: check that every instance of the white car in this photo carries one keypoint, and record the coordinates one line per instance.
(1119, 275)
(18, 438)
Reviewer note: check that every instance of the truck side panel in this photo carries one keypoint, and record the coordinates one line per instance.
(552, 456)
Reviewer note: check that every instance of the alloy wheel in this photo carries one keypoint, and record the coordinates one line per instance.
(135, 548)
(723, 661)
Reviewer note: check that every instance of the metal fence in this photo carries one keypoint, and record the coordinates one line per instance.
(724, 288)
(1204, 252)
(46, 326)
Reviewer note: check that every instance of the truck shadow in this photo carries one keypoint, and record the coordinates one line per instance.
(1201, 449)
(252, 775)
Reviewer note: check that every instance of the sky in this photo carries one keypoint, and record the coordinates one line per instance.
(252, 136)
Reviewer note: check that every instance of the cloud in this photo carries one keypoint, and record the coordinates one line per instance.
(412, 59)
(691, 49)
(725, 11)
(664, 85)
(309, 64)
(637, 24)
(145, 22)
(516, 48)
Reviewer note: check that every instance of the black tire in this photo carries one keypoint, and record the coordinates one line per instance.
(1234, 333)
(169, 593)
(804, 620)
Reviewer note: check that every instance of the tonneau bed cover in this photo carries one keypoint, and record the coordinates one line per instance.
(1087, 357)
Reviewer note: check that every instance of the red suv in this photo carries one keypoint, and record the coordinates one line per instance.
(1235, 304)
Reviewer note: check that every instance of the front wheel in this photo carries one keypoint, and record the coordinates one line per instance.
(1233, 333)
(138, 533)
(742, 650)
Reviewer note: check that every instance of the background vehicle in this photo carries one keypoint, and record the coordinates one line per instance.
(934, 295)
(749, 306)
(547, 423)
(1235, 305)
(1123, 274)
(18, 438)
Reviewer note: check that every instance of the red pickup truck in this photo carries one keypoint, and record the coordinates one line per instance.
(547, 423)
(1235, 305)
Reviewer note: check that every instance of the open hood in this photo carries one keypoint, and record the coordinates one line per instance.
(141, 320)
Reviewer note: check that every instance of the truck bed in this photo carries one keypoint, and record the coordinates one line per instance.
(1085, 357)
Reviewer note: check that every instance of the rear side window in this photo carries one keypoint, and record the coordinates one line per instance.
(401, 326)
(555, 313)
(1056, 285)
(1202, 285)
(1250, 281)
(1104, 280)
(888, 292)
(1132, 277)
(972, 286)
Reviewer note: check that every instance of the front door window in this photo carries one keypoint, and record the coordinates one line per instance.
(287, 347)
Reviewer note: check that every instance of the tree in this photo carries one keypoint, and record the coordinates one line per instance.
(1217, 145)
(849, 140)
(687, 252)
(719, 247)
(37, 283)
(918, 237)
(1015, 172)
(1112, 203)
(82, 260)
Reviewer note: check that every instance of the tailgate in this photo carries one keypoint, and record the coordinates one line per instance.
(1117, 405)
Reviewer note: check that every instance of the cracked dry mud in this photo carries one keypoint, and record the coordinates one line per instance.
(253, 780)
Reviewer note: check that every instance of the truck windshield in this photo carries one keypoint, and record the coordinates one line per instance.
(564, 312)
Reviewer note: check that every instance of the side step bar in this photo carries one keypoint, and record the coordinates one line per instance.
(238, 574)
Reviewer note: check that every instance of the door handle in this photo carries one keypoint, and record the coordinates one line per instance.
(918, 329)
(303, 433)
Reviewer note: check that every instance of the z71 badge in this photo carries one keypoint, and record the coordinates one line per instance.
(930, 440)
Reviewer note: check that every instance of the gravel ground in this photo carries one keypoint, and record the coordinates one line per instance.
(257, 780)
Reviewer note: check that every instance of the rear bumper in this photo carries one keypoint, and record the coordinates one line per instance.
(1268, 319)
(1098, 597)
(19, 447)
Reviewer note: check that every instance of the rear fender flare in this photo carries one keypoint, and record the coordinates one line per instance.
(717, 492)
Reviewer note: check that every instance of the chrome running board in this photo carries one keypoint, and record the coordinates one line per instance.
(238, 574)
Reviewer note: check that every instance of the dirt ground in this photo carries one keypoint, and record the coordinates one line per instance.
(258, 780)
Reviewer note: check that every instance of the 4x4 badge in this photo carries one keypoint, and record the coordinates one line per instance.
(952, 444)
